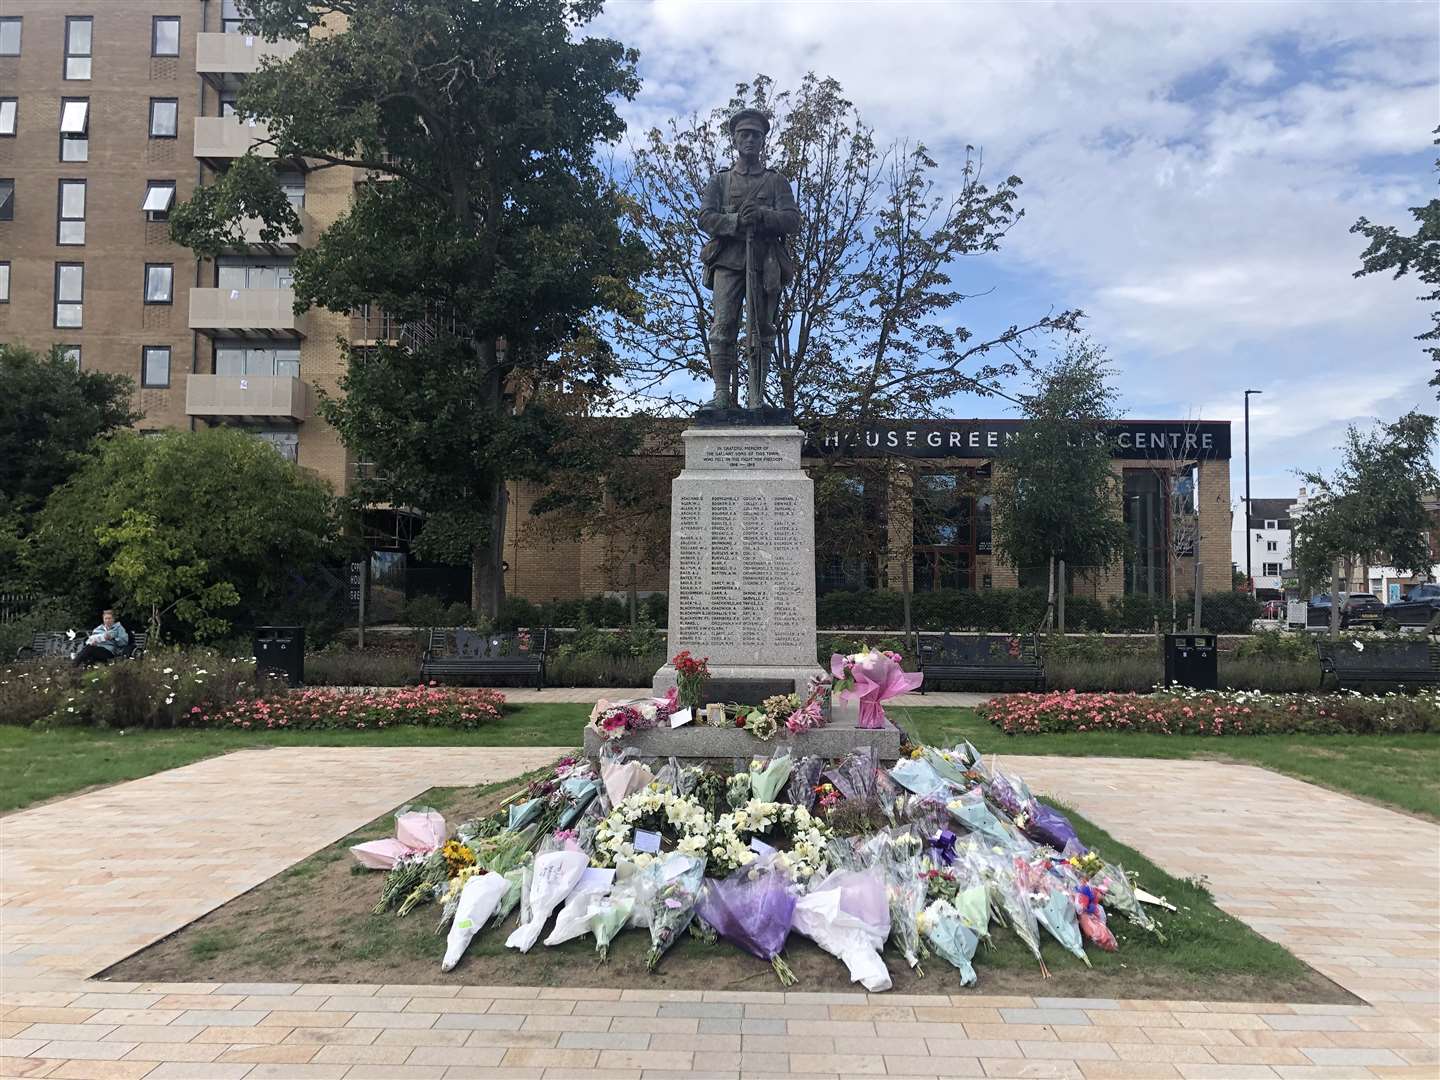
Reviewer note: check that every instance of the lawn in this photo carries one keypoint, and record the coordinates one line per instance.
(313, 923)
(1401, 771)
(39, 765)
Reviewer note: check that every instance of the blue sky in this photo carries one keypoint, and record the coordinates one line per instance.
(1191, 172)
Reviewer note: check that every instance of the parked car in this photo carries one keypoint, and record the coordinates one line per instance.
(1357, 611)
(1417, 609)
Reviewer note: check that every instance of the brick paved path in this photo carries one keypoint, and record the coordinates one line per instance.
(1351, 888)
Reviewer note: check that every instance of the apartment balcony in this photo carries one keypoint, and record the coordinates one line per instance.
(223, 60)
(219, 140)
(287, 244)
(247, 397)
(246, 313)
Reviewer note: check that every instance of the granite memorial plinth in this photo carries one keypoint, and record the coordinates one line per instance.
(696, 741)
(742, 557)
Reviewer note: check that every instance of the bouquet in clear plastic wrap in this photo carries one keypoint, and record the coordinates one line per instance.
(919, 776)
(418, 831)
(969, 809)
(848, 915)
(622, 774)
(1091, 916)
(950, 938)
(800, 788)
(608, 916)
(678, 880)
(574, 918)
(754, 910)
(1120, 895)
(548, 881)
(898, 855)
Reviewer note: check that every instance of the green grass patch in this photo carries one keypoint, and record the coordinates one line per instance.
(37, 765)
(1400, 771)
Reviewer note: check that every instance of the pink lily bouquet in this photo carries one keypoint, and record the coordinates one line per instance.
(873, 677)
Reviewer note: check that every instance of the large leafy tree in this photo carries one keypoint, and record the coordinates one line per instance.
(1390, 249)
(185, 530)
(1056, 496)
(52, 416)
(1373, 506)
(869, 328)
(487, 232)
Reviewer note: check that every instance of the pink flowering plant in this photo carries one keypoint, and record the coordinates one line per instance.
(327, 708)
(1193, 712)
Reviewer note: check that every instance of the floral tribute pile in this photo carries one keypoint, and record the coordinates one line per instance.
(931, 857)
(870, 677)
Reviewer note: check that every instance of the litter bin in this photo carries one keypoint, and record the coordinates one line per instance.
(280, 650)
(1192, 660)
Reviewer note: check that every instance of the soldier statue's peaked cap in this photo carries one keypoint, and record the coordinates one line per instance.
(750, 114)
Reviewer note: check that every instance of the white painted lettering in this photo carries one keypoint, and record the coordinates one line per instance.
(932, 439)
(992, 438)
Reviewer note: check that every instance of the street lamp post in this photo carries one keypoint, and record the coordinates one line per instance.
(1249, 575)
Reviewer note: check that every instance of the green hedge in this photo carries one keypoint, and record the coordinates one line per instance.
(1013, 610)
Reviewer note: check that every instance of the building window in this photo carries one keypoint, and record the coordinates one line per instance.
(232, 16)
(1270, 569)
(285, 442)
(942, 508)
(69, 294)
(1272, 545)
(165, 36)
(5, 282)
(10, 35)
(155, 366)
(293, 185)
(75, 129)
(159, 196)
(850, 529)
(1271, 524)
(159, 283)
(7, 200)
(8, 109)
(227, 105)
(235, 274)
(251, 360)
(71, 227)
(77, 46)
(70, 353)
(164, 117)
(1147, 560)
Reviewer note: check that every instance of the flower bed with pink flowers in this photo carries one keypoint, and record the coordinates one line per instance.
(325, 708)
(1192, 712)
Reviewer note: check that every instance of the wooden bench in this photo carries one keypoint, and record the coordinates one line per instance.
(57, 645)
(983, 659)
(1411, 663)
(460, 652)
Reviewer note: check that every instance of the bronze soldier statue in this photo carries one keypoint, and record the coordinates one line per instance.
(747, 213)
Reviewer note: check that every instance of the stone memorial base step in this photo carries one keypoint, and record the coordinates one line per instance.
(698, 742)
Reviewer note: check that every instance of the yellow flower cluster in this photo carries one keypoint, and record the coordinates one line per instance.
(457, 856)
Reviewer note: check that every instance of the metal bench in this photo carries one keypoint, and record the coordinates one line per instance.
(58, 645)
(1410, 663)
(983, 659)
(458, 653)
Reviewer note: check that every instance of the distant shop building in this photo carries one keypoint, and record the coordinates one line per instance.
(913, 499)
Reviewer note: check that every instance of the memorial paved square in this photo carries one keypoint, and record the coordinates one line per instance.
(1349, 887)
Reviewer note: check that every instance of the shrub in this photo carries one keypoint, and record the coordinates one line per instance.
(1192, 712)
(363, 668)
(29, 692)
(1229, 612)
(432, 611)
(166, 689)
(322, 709)
(1276, 645)
(596, 670)
(606, 612)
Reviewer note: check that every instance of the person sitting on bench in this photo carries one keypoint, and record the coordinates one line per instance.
(106, 641)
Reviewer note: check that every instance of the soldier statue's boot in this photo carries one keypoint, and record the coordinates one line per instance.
(722, 368)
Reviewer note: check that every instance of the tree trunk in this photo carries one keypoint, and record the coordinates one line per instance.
(905, 600)
(1335, 600)
(1060, 594)
(487, 575)
(1195, 623)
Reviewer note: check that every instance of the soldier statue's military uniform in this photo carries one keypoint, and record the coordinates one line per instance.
(743, 200)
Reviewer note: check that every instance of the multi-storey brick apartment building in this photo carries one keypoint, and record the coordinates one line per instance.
(112, 111)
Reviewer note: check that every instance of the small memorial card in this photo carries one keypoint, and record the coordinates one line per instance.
(681, 718)
(675, 867)
(715, 715)
(647, 841)
(595, 878)
(760, 847)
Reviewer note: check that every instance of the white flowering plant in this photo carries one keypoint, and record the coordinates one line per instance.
(682, 824)
(804, 837)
